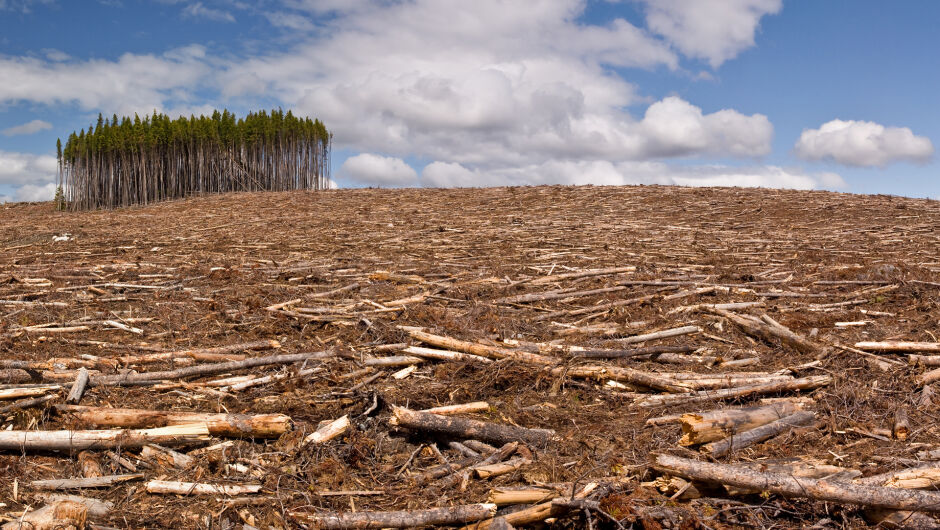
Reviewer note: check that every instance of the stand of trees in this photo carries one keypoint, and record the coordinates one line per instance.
(123, 162)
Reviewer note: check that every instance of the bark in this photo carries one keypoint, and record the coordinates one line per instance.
(451, 516)
(62, 515)
(88, 482)
(717, 424)
(899, 346)
(195, 488)
(327, 431)
(205, 369)
(665, 334)
(78, 387)
(81, 440)
(233, 425)
(466, 428)
(759, 434)
(808, 383)
(777, 483)
(769, 330)
(444, 355)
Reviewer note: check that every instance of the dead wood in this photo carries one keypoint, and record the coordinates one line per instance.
(466, 428)
(235, 425)
(869, 496)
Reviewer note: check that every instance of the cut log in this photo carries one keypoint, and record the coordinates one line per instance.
(233, 425)
(704, 427)
(466, 428)
(451, 516)
(62, 515)
(665, 334)
(925, 360)
(195, 488)
(927, 378)
(88, 482)
(30, 391)
(902, 427)
(636, 352)
(768, 329)
(777, 483)
(504, 497)
(166, 457)
(492, 352)
(327, 431)
(206, 369)
(97, 509)
(759, 434)
(186, 434)
(899, 346)
(500, 468)
(14, 376)
(444, 355)
(808, 383)
(465, 408)
(582, 274)
(78, 387)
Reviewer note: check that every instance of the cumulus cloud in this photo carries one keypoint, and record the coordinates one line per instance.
(27, 128)
(23, 168)
(198, 10)
(491, 87)
(35, 193)
(863, 144)
(132, 83)
(713, 30)
(444, 174)
(377, 170)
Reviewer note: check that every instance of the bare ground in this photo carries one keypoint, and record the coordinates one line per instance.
(214, 264)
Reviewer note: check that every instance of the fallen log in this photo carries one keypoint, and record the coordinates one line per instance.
(770, 330)
(899, 346)
(97, 509)
(635, 352)
(451, 516)
(492, 352)
(581, 274)
(327, 431)
(807, 383)
(84, 482)
(186, 434)
(926, 360)
(195, 488)
(78, 387)
(466, 428)
(777, 483)
(665, 334)
(704, 427)
(444, 355)
(205, 369)
(759, 434)
(61, 515)
(234, 425)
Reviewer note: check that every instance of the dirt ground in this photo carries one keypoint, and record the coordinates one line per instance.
(205, 272)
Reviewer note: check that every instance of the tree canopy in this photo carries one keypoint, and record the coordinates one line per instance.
(120, 162)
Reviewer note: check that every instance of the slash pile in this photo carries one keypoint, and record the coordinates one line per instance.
(650, 357)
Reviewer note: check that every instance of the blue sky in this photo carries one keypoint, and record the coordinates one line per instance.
(828, 95)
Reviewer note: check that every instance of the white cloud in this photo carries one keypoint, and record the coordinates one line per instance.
(197, 10)
(443, 174)
(714, 30)
(376, 170)
(56, 55)
(290, 21)
(35, 193)
(23, 168)
(132, 83)
(27, 128)
(5, 198)
(863, 144)
(489, 83)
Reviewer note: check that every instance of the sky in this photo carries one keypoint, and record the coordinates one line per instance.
(837, 94)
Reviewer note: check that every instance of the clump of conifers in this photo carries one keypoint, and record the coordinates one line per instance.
(123, 162)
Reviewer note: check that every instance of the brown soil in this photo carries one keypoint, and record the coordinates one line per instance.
(224, 259)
